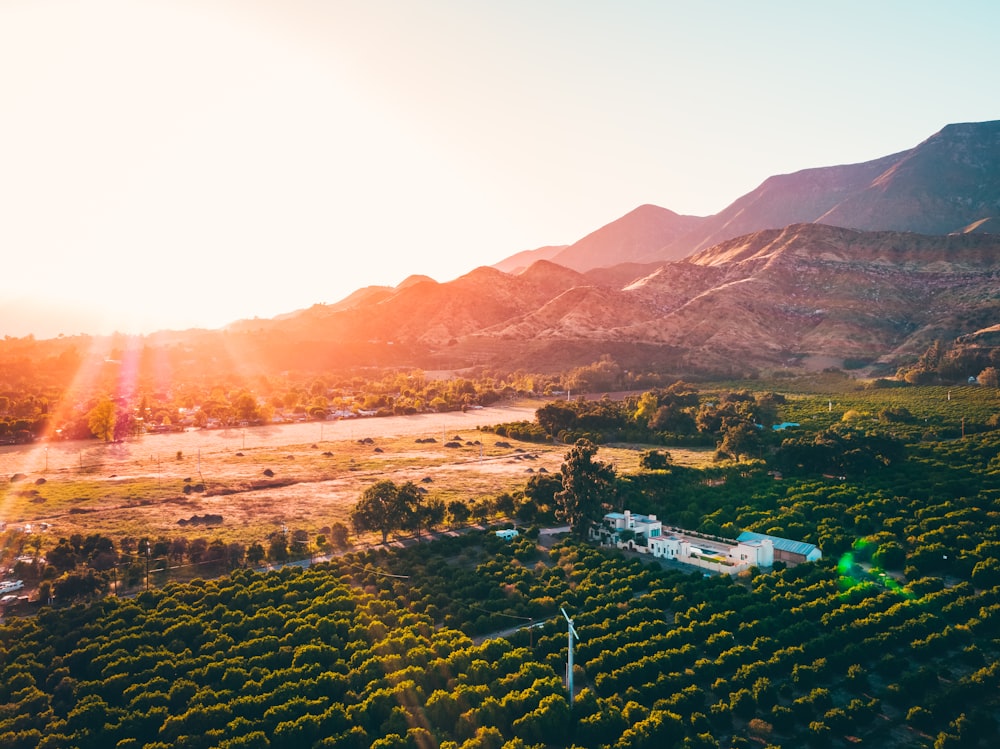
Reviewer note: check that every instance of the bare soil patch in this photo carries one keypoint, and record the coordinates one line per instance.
(298, 476)
(317, 470)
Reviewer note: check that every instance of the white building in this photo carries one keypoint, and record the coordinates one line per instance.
(645, 534)
(785, 550)
(641, 527)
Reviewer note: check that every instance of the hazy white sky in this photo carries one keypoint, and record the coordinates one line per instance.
(191, 162)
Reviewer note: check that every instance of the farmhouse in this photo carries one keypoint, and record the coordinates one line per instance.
(634, 525)
(645, 534)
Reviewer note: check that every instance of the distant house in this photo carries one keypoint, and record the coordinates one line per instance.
(638, 529)
(785, 550)
(508, 534)
(646, 535)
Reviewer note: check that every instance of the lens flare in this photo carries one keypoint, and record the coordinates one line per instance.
(854, 572)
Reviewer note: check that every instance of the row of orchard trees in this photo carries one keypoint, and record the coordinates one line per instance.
(809, 655)
(931, 512)
(376, 649)
(292, 659)
(81, 567)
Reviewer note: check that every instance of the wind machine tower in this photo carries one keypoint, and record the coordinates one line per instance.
(571, 633)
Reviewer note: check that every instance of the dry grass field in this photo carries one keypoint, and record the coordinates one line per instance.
(300, 476)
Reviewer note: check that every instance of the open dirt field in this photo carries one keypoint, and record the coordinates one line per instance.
(74, 454)
(258, 480)
(304, 475)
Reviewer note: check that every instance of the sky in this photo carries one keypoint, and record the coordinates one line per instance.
(188, 163)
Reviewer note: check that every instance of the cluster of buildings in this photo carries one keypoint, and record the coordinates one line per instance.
(646, 534)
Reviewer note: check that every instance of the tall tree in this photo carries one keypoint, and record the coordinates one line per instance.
(125, 425)
(739, 439)
(408, 507)
(539, 497)
(379, 508)
(646, 407)
(586, 484)
(423, 514)
(102, 420)
(458, 511)
(245, 407)
(256, 553)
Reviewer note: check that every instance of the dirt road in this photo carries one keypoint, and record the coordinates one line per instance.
(43, 457)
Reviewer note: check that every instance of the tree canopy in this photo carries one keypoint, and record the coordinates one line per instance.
(385, 507)
(101, 420)
(587, 485)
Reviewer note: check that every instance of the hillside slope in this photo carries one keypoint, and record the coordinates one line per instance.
(769, 299)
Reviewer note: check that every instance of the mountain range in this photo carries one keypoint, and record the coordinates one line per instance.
(949, 183)
(867, 262)
(860, 263)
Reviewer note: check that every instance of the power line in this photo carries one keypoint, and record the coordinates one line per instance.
(375, 570)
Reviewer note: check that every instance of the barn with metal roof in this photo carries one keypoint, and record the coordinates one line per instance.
(786, 550)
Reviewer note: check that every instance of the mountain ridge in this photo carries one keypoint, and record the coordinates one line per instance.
(767, 300)
(947, 183)
(638, 236)
(770, 298)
